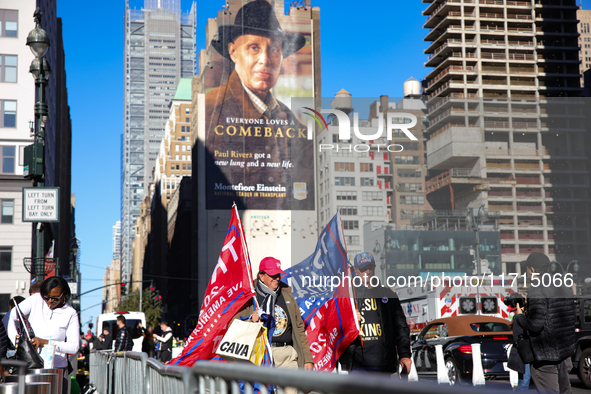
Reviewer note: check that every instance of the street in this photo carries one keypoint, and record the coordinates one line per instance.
(501, 385)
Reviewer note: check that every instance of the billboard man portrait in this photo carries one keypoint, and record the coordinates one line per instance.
(243, 117)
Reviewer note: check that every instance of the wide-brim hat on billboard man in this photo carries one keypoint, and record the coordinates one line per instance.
(257, 18)
(363, 260)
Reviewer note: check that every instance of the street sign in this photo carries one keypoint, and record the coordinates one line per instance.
(41, 204)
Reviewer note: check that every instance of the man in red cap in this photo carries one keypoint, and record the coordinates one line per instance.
(290, 345)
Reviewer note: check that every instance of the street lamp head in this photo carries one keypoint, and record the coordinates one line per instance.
(36, 68)
(38, 40)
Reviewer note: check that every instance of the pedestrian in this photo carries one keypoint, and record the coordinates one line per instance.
(123, 342)
(148, 341)
(4, 341)
(35, 287)
(515, 362)
(166, 342)
(104, 340)
(289, 344)
(52, 318)
(384, 331)
(550, 324)
(11, 304)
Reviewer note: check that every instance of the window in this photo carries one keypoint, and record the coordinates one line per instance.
(8, 23)
(5, 258)
(7, 211)
(348, 210)
(348, 196)
(344, 166)
(188, 148)
(371, 196)
(489, 327)
(176, 157)
(372, 211)
(408, 173)
(7, 159)
(8, 68)
(366, 167)
(352, 239)
(344, 181)
(351, 224)
(366, 181)
(176, 148)
(184, 148)
(409, 145)
(7, 113)
(4, 300)
(184, 158)
(406, 159)
(412, 200)
(410, 187)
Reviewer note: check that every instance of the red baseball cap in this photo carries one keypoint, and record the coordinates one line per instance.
(271, 266)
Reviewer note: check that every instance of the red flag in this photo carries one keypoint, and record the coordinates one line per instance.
(230, 287)
(333, 328)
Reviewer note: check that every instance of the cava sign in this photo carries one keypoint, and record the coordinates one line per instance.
(41, 204)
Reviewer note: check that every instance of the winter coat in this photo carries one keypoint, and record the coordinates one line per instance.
(123, 342)
(395, 329)
(298, 329)
(550, 322)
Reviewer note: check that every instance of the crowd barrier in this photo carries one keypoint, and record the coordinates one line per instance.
(135, 373)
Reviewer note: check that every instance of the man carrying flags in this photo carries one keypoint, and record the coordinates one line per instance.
(329, 313)
(230, 287)
(289, 343)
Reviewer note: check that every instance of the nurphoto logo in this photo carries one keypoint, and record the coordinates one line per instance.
(392, 119)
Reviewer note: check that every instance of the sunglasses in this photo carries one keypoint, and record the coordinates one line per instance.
(53, 299)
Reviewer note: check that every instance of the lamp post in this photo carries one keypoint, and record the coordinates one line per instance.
(377, 250)
(556, 264)
(476, 225)
(38, 42)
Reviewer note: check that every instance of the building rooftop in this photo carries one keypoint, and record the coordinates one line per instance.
(183, 90)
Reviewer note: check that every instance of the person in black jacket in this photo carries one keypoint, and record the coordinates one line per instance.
(123, 342)
(4, 341)
(550, 324)
(384, 330)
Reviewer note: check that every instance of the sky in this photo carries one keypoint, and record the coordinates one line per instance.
(369, 49)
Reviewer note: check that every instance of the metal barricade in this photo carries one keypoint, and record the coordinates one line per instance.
(30, 388)
(132, 373)
(162, 378)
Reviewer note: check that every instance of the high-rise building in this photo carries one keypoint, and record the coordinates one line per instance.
(17, 100)
(174, 159)
(117, 240)
(584, 17)
(353, 178)
(498, 134)
(159, 50)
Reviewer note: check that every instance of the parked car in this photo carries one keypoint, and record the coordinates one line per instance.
(456, 335)
(582, 356)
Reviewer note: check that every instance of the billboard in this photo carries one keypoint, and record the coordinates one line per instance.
(257, 150)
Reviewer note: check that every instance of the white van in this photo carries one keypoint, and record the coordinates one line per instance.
(131, 321)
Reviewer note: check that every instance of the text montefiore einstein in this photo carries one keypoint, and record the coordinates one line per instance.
(259, 187)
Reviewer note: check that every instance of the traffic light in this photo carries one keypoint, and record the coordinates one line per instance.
(157, 298)
(122, 289)
(152, 292)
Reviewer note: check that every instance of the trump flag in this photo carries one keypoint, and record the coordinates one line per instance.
(230, 287)
(327, 310)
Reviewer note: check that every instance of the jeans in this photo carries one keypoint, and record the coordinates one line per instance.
(523, 383)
